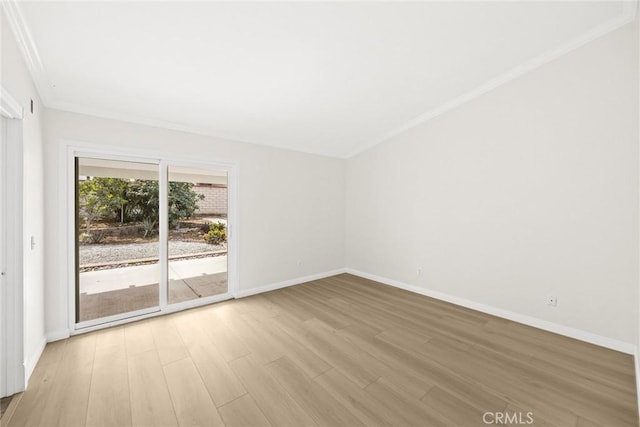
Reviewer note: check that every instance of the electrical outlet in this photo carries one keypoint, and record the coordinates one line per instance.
(552, 300)
(419, 271)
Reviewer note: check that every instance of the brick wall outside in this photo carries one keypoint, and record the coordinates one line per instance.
(215, 199)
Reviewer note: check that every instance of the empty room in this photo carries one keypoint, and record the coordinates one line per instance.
(326, 213)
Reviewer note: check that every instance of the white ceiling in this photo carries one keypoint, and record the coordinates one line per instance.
(328, 78)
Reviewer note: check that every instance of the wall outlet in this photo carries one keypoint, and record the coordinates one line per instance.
(552, 300)
(419, 271)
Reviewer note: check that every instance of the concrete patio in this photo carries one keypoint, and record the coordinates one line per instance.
(120, 290)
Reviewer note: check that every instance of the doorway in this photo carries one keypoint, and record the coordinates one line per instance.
(150, 236)
(3, 262)
(12, 360)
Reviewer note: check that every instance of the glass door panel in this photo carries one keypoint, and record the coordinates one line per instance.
(197, 238)
(117, 249)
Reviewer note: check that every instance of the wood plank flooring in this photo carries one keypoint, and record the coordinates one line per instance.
(342, 351)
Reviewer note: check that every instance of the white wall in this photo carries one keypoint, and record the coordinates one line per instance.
(637, 355)
(15, 79)
(291, 205)
(529, 190)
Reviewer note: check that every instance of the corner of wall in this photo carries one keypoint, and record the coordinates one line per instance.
(32, 360)
(636, 356)
(285, 284)
(578, 334)
(58, 335)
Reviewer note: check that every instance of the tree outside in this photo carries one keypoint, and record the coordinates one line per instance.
(122, 210)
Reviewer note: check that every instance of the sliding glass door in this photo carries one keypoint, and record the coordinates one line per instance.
(150, 236)
(117, 248)
(197, 233)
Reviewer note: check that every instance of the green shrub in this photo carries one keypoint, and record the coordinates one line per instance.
(95, 237)
(132, 201)
(148, 227)
(217, 233)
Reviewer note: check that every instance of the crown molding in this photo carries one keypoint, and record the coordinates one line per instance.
(9, 107)
(43, 86)
(28, 48)
(629, 10)
(105, 114)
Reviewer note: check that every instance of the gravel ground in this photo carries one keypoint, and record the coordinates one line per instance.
(93, 254)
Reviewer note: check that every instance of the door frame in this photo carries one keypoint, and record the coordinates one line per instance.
(84, 154)
(13, 373)
(75, 149)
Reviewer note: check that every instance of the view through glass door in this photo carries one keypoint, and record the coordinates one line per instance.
(117, 248)
(148, 237)
(197, 233)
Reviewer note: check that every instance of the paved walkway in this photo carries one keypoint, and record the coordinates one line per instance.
(93, 282)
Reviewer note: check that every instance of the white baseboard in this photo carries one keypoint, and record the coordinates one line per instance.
(58, 335)
(292, 282)
(65, 333)
(578, 334)
(32, 361)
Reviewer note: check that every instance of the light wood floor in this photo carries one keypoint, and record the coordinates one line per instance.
(341, 351)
